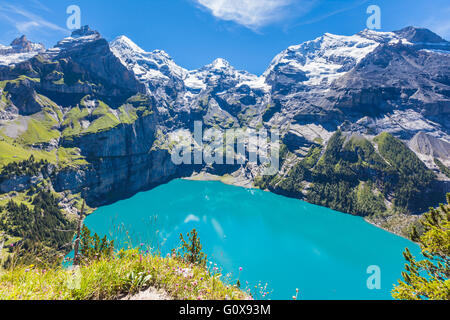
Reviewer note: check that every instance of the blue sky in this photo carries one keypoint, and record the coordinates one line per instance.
(248, 33)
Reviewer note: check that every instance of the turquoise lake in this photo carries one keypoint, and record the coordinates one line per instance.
(286, 243)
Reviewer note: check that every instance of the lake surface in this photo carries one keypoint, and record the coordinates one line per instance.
(284, 242)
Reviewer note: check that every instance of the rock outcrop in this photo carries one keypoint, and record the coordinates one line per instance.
(20, 49)
(430, 146)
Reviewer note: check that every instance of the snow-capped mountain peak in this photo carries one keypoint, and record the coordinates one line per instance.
(221, 71)
(220, 63)
(328, 57)
(147, 65)
(20, 49)
(123, 43)
(78, 38)
(84, 32)
(379, 36)
(22, 45)
(155, 69)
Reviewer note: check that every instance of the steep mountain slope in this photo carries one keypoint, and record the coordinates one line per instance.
(103, 115)
(21, 49)
(162, 77)
(217, 93)
(374, 75)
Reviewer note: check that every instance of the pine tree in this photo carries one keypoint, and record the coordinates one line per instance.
(193, 249)
(429, 278)
(91, 247)
(85, 242)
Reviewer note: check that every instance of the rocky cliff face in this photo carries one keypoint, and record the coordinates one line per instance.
(20, 49)
(102, 112)
(121, 162)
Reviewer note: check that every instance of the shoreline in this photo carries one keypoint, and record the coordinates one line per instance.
(227, 179)
(387, 230)
(247, 183)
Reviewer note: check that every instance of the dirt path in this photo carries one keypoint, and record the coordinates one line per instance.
(149, 294)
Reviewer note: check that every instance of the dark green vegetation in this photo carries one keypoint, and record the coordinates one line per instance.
(412, 178)
(191, 250)
(29, 167)
(92, 247)
(429, 278)
(40, 232)
(357, 176)
(445, 170)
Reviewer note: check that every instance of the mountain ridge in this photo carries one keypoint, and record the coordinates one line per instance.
(103, 115)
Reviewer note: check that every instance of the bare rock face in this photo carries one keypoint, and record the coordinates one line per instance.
(21, 49)
(396, 77)
(17, 184)
(88, 58)
(22, 44)
(24, 96)
(426, 144)
(121, 163)
(284, 78)
(423, 38)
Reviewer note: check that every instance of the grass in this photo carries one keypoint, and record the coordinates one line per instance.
(72, 121)
(18, 197)
(39, 132)
(127, 115)
(128, 272)
(104, 123)
(18, 80)
(70, 157)
(104, 119)
(11, 152)
(42, 126)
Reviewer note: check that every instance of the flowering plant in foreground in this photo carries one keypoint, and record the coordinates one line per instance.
(126, 273)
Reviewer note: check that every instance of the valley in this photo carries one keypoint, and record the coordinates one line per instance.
(364, 123)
